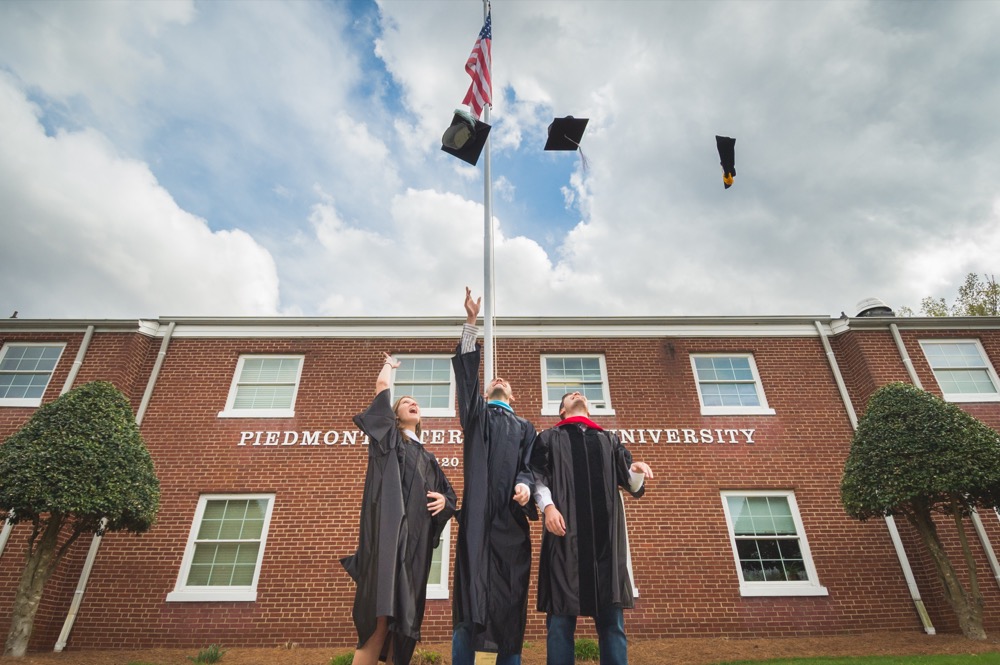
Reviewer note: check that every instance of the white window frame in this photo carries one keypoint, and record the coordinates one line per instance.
(760, 410)
(428, 411)
(988, 366)
(30, 401)
(197, 594)
(231, 412)
(439, 590)
(810, 587)
(552, 408)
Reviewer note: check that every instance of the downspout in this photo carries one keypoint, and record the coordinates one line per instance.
(95, 542)
(890, 522)
(78, 361)
(8, 526)
(977, 521)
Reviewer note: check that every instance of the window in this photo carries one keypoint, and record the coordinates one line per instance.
(962, 370)
(587, 374)
(427, 379)
(729, 384)
(437, 582)
(769, 544)
(264, 387)
(225, 548)
(25, 370)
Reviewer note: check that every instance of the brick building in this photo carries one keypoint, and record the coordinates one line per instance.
(746, 422)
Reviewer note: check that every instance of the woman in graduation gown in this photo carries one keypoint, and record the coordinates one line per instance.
(406, 504)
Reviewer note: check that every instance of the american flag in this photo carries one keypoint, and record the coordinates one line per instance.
(478, 65)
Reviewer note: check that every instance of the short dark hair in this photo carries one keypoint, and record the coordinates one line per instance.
(562, 402)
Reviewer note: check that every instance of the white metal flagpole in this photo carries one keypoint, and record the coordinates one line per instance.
(488, 293)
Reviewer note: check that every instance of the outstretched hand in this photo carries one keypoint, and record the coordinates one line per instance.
(471, 307)
(389, 360)
(641, 467)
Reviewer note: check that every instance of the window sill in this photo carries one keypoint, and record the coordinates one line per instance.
(554, 411)
(436, 413)
(207, 595)
(782, 589)
(19, 402)
(437, 592)
(737, 411)
(258, 413)
(973, 397)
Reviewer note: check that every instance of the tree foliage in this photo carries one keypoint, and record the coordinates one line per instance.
(913, 451)
(81, 456)
(78, 465)
(915, 455)
(978, 296)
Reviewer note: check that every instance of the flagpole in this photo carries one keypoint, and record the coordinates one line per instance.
(488, 294)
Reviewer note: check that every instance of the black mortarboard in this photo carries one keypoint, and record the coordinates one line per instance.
(727, 155)
(566, 133)
(465, 137)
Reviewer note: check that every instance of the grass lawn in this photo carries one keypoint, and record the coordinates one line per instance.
(962, 659)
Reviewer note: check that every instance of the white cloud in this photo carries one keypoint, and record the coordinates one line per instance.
(865, 152)
(91, 234)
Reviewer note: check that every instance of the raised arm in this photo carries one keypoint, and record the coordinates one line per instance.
(466, 366)
(471, 307)
(384, 379)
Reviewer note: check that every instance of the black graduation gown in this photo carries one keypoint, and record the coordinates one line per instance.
(493, 557)
(397, 533)
(588, 567)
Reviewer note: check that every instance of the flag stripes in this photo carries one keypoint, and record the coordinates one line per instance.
(478, 66)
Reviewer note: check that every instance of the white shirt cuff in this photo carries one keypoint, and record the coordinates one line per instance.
(543, 497)
(469, 334)
(635, 480)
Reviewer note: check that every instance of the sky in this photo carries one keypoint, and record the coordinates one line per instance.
(265, 158)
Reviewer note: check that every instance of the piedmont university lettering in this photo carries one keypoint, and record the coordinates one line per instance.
(668, 436)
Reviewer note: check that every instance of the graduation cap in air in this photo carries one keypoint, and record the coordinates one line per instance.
(465, 137)
(727, 155)
(566, 133)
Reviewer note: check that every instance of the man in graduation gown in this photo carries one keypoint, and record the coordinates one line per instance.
(583, 569)
(493, 557)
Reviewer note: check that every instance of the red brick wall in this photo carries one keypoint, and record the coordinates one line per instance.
(681, 551)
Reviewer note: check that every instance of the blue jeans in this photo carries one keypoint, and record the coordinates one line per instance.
(462, 652)
(610, 624)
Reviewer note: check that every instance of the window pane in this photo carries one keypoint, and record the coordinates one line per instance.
(269, 370)
(965, 381)
(25, 370)
(766, 539)
(209, 529)
(243, 574)
(726, 381)
(435, 576)
(216, 563)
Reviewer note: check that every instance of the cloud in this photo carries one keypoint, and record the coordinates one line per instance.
(310, 132)
(91, 234)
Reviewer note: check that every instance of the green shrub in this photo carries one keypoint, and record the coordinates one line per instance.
(586, 649)
(343, 659)
(211, 654)
(421, 657)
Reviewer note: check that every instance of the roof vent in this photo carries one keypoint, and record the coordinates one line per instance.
(874, 307)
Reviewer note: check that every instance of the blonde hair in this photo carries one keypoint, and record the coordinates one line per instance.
(395, 408)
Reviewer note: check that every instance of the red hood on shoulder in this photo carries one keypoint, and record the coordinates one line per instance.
(582, 420)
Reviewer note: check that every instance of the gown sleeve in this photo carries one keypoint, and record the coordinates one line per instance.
(470, 399)
(622, 459)
(379, 423)
(442, 486)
